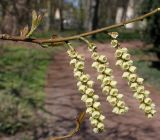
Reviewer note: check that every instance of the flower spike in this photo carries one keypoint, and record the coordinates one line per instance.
(134, 81)
(108, 84)
(85, 86)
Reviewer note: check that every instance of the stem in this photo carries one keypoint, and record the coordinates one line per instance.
(61, 40)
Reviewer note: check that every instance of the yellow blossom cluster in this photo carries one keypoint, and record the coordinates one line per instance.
(108, 84)
(134, 81)
(85, 86)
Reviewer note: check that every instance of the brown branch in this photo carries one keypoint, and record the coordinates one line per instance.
(79, 121)
(61, 40)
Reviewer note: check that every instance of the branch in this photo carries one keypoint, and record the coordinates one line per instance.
(60, 40)
(79, 121)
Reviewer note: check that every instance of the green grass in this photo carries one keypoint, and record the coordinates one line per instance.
(22, 80)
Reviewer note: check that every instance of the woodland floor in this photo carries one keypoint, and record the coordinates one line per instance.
(63, 101)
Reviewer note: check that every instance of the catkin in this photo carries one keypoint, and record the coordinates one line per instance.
(85, 86)
(108, 84)
(134, 81)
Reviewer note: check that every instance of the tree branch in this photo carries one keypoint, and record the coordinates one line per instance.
(60, 40)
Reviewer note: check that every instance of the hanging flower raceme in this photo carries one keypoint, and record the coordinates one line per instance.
(85, 86)
(108, 84)
(134, 81)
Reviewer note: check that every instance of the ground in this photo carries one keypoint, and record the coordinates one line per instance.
(63, 102)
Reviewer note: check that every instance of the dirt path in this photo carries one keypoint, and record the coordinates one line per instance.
(63, 101)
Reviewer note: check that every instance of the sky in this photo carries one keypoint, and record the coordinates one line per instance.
(75, 2)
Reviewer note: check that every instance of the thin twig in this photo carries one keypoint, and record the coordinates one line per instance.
(61, 40)
(79, 121)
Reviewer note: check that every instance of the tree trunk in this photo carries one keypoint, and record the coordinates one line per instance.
(61, 14)
(95, 17)
(15, 15)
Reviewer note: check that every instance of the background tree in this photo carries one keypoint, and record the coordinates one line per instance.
(151, 32)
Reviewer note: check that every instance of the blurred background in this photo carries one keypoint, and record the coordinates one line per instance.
(28, 72)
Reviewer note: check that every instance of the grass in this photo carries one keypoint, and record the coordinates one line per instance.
(22, 80)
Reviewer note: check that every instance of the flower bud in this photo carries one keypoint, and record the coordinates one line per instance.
(132, 77)
(80, 57)
(148, 100)
(79, 84)
(125, 66)
(140, 89)
(132, 69)
(84, 78)
(135, 95)
(101, 117)
(124, 50)
(92, 47)
(106, 89)
(126, 56)
(100, 77)
(95, 55)
(114, 43)
(95, 65)
(73, 62)
(101, 68)
(153, 112)
(102, 59)
(89, 91)
(114, 92)
(147, 109)
(113, 83)
(140, 80)
(100, 126)
(82, 88)
(77, 74)
(107, 80)
(120, 96)
(108, 71)
(141, 97)
(84, 98)
(96, 105)
(142, 106)
(146, 92)
(95, 97)
(119, 62)
(113, 101)
(72, 53)
(113, 34)
(153, 105)
(115, 110)
(133, 86)
(95, 114)
(120, 104)
(90, 83)
(89, 102)
(130, 62)
(80, 65)
(149, 116)
(125, 75)
(89, 110)
(118, 53)
(126, 109)
(109, 98)
(94, 122)
(96, 130)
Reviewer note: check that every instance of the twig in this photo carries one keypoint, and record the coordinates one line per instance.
(79, 121)
(61, 40)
